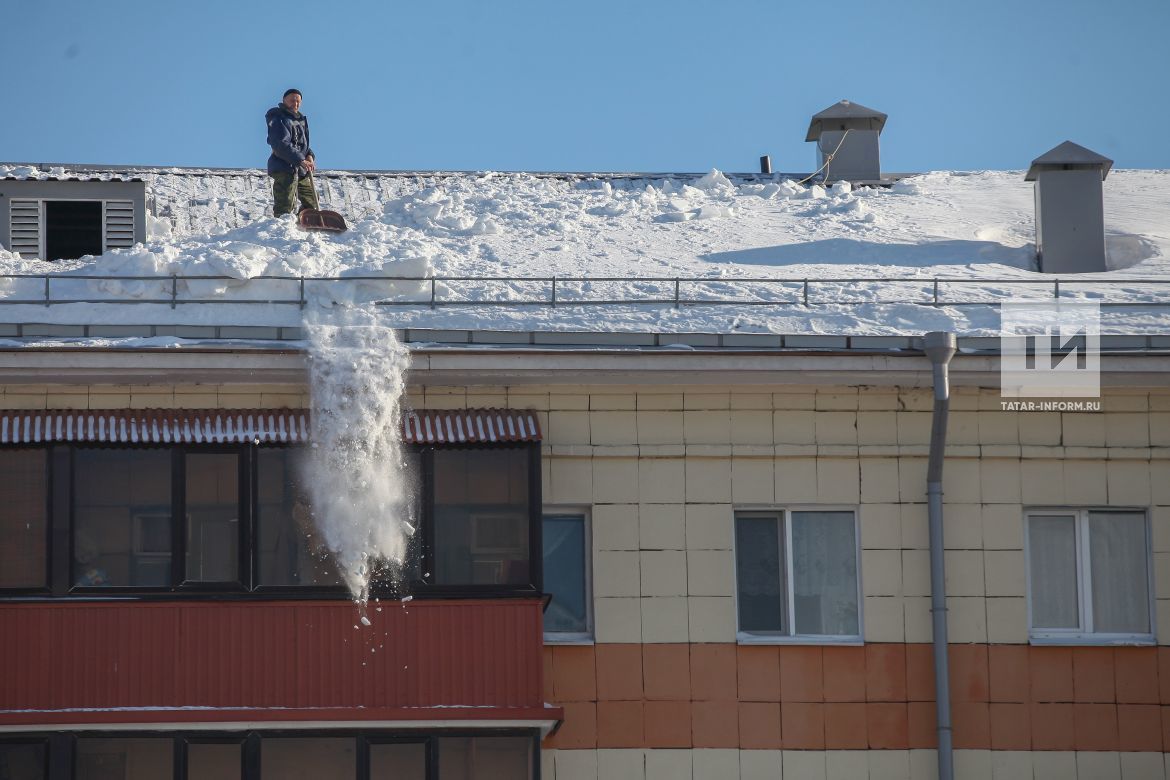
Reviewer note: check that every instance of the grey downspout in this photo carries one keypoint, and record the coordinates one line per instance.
(940, 348)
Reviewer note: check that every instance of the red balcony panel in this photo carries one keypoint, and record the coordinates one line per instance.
(87, 661)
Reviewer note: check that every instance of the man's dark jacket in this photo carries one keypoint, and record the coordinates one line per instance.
(288, 135)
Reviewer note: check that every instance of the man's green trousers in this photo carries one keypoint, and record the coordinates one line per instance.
(287, 187)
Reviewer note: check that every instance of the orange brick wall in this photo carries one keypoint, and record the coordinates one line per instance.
(879, 696)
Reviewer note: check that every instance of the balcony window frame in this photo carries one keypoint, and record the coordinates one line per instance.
(179, 581)
(61, 499)
(426, 585)
(1084, 634)
(59, 748)
(783, 514)
(36, 740)
(46, 586)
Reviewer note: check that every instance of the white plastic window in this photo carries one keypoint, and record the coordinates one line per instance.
(797, 575)
(1089, 576)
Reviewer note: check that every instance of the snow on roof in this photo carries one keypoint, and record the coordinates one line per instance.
(752, 254)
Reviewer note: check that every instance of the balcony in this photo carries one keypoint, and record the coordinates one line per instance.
(418, 664)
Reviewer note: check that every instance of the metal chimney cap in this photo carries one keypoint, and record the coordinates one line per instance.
(853, 115)
(1068, 157)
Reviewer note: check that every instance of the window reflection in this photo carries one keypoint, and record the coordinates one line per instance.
(399, 761)
(481, 517)
(485, 758)
(213, 517)
(291, 550)
(124, 759)
(22, 761)
(23, 494)
(213, 761)
(325, 758)
(122, 517)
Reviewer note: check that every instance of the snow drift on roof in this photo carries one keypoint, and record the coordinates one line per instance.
(966, 229)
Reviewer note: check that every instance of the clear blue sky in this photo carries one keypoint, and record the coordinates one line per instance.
(648, 85)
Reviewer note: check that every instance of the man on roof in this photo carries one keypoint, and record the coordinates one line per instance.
(292, 159)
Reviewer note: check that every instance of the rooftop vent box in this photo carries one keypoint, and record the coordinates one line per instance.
(846, 135)
(1070, 217)
(63, 219)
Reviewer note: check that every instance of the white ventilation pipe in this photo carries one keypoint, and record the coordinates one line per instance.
(940, 348)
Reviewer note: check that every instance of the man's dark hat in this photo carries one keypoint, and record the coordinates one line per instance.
(288, 92)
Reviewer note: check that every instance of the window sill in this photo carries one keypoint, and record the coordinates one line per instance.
(759, 639)
(1095, 640)
(569, 639)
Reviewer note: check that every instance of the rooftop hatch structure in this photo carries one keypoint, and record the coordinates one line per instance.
(61, 219)
(846, 135)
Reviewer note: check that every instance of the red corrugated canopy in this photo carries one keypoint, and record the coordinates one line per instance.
(242, 426)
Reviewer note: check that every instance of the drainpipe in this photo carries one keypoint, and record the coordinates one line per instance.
(940, 348)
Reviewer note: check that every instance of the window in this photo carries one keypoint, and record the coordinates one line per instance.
(214, 760)
(22, 760)
(796, 575)
(566, 577)
(496, 754)
(236, 519)
(321, 758)
(211, 495)
(291, 553)
(122, 517)
(116, 759)
(481, 519)
(398, 760)
(485, 758)
(1089, 575)
(24, 521)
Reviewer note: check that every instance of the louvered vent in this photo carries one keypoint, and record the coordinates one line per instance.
(119, 224)
(25, 227)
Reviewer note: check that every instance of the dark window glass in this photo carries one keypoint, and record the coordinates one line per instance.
(213, 517)
(122, 517)
(485, 758)
(291, 552)
(22, 761)
(124, 759)
(213, 761)
(23, 495)
(73, 228)
(481, 517)
(325, 758)
(759, 574)
(564, 574)
(404, 761)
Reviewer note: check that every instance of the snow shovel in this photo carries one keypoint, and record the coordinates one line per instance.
(319, 220)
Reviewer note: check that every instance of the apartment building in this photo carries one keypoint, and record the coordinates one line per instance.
(640, 556)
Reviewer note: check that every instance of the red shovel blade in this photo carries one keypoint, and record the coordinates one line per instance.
(327, 221)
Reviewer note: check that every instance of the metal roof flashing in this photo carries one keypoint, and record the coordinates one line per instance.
(845, 115)
(1069, 156)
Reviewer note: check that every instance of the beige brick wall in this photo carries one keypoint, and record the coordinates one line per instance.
(634, 764)
(665, 472)
(208, 396)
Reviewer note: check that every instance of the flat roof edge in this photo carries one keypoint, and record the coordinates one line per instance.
(253, 338)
